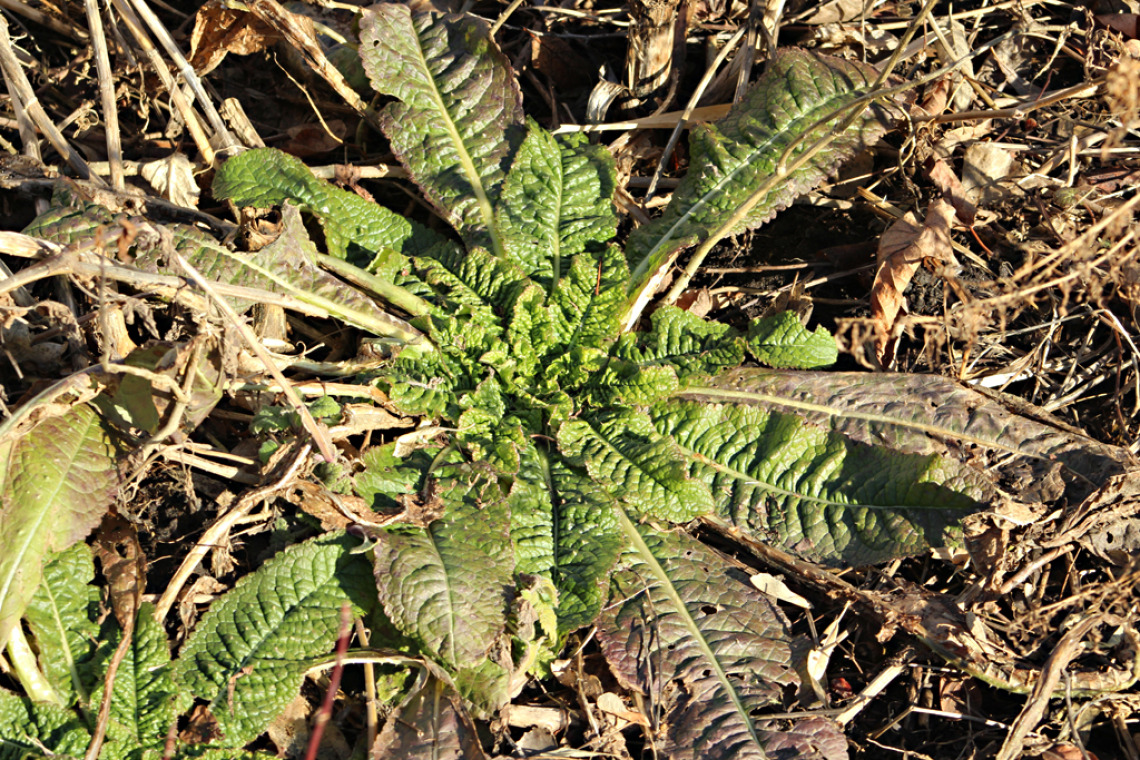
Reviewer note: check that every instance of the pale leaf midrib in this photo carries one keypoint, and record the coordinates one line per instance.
(465, 158)
(695, 632)
(726, 180)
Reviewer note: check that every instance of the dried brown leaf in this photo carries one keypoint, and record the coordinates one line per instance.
(985, 167)
(219, 30)
(124, 566)
(945, 179)
(902, 249)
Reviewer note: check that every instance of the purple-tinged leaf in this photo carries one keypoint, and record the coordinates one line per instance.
(57, 479)
(684, 627)
(446, 585)
(928, 414)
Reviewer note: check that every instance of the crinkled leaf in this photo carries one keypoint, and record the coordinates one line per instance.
(646, 470)
(532, 514)
(927, 414)
(28, 729)
(355, 229)
(459, 117)
(556, 202)
(732, 158)
(248, 655)
(474, 278)
(587, 543)
(446, 586)
(782, 341)
(57, 478)
(621, 381)
(810, 739)
(419, 383)
(60, 616)
(583, 310)
(70, 221)
(679, 612)
(387, 477)
(693, 346)
(485, 686)
(142, 703)
(817, 492)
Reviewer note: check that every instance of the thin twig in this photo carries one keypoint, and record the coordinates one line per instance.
(106, 93)
(188, 74)
(214, 535)
(181, 104)
(18, 81)
(324, 714)
(683, 119)
(320, 435)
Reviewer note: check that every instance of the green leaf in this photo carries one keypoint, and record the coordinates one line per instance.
(485, 686)
(387, 477)
(587, 543)
(815, 492)
(556, 202)
(284, 266)
(248, 655)
(680, 613)
(28, 729)
(625, 382)
(732, 158)
(646, 470)
(927, 414)
(532, 514)
(60, 616)
(684, 341)
(583, 310)
(459, 117)
(57, 478)
(446, 585)
(142, 703)
(355, 229)
(70, 221)
(419, 383)
(474, 278)
(782, 341)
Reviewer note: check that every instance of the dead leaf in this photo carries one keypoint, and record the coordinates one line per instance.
(697, 301)
(835, 11)
(124, 566)
(902, 249)
(219, 30)
(935, 97)
(612, 705)
(1066, 751)
(947, 181)
(309, 140)
(557, 60)
(173, 179)
(775, 587)
(1127, 24)
(201, 727)
(985, 167)
(952, 45)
